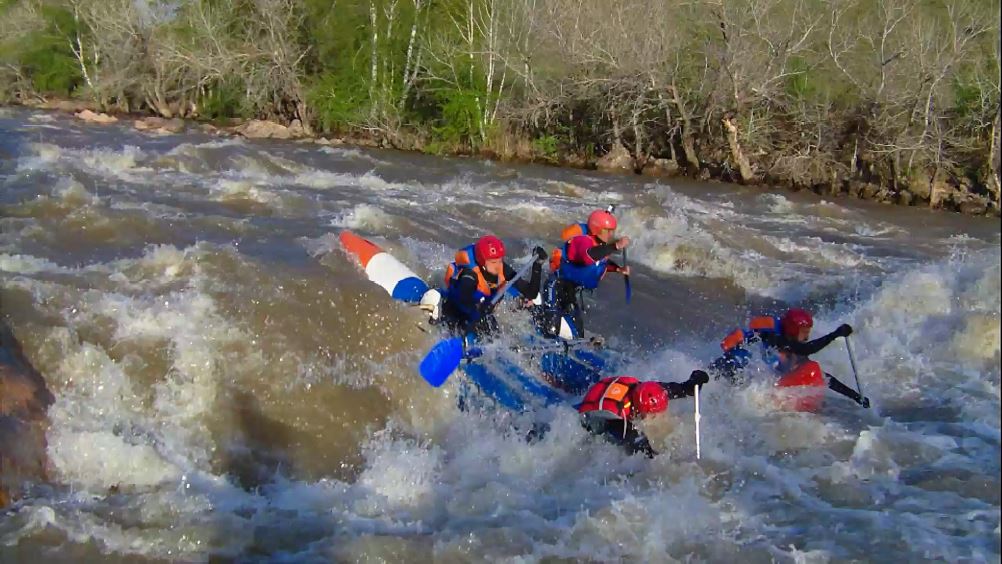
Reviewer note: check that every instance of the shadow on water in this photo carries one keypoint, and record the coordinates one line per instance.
(262, 446)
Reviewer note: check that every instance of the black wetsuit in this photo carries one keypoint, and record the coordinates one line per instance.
(623, 432)
(731, 362)
(566, 294)
(463, 313)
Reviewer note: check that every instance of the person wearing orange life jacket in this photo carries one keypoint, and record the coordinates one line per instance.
(612, 404)
(784, 345)
(581, 264)
(474, 277)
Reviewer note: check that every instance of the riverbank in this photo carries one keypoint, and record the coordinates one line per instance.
(942, 189)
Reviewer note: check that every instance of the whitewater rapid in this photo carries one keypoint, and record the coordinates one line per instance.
(228, 384)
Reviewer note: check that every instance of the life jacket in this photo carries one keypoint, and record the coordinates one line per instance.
(584, 275)
(609, 398)
(756, 326)
(464, 261)
(568, 233)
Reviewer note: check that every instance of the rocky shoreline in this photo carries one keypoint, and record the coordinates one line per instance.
(935, 189)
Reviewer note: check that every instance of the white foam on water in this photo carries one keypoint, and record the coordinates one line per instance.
(351, 154)
(26, 264)
(234, 190)
(363, 216)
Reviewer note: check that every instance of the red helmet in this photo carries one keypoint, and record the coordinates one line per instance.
(650, 398)
(599, 220)
(795, 319)
(487, 248)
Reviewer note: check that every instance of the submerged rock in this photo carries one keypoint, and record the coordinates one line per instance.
(24, 402)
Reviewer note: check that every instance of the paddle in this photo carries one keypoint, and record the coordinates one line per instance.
(444, 358)
(626, 278)
(697, 417)
(855, 373)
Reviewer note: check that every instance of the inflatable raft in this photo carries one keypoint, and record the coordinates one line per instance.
(566, 370)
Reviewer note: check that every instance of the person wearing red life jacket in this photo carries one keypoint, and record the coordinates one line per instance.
(612, 404)
(784, 343)
(581, 264)
(474, 278)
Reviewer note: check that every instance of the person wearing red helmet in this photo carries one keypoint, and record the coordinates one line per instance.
(612, 404)
(581, 264)
(475, 276)
(784, 344)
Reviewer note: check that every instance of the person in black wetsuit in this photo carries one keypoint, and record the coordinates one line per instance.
(579, 265)
(475, 277)
(785, 345)
(611, 404)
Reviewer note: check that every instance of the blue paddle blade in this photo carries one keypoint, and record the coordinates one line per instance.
(629, 290)
(441, 361)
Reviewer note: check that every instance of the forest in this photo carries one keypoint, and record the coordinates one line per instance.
(892, 100)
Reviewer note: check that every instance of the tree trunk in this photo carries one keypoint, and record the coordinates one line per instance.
(744, 167)
(688, 146)
(638, 136)
(995, 160)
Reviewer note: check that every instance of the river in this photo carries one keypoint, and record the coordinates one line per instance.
(228, 383)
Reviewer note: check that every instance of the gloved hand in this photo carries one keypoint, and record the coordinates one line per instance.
(844, 330)
(698, 377)
(865, 402)
(540, 255)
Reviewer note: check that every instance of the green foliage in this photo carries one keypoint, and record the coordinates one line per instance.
(45, 55)
(339, 100)
(224, 100)
(460, 116)
(546, 147)
(801, 84)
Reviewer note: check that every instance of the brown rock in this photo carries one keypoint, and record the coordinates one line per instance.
(262, 129)
(906, 198)
(617, 159)
(24, 401)
(660, 167)
(296, 128)
(159, 125)
(575, 160)
(92, 117)
(974, 204)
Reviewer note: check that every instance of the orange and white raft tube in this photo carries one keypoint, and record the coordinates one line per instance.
(399, 281)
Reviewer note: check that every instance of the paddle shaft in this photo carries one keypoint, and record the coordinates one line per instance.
(626, 277)
(518, 276)
(852, 361)
(697, 417)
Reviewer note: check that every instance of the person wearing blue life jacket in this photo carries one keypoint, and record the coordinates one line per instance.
(783, 344)
(475, 277)
(580, 265)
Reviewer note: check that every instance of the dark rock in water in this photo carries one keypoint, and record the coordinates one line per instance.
(24, 402)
